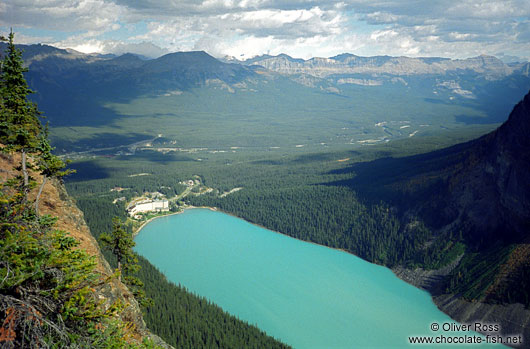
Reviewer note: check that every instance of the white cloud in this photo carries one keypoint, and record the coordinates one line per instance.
(91, 46)
(453, 28)
(146, 49)
(67, 15)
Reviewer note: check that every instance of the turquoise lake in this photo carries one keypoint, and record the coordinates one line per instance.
(307, 295)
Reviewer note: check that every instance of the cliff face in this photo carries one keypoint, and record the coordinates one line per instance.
(512, 157)
(491, 191)
(488, 195)
(56, 202)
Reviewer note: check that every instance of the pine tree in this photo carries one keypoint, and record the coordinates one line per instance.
(20, 126)
(120, 243)
(47, 285)
(48, 164)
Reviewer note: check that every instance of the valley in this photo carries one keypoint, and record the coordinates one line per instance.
(264, 174)
(369, 161)
(197, 101)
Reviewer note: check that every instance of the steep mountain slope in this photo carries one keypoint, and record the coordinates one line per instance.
(478, 194)
(56, 202)
(484, 182)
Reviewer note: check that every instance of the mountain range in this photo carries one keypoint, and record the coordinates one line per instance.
(477, 80)
(488, 66)
(475, 193)
(286, 96)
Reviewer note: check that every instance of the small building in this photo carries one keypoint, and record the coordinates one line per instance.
(149, 206)
(118, 189)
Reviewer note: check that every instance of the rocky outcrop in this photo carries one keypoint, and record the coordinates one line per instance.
(429, 280)
(55, 201)
(513, 319)
(490, 190)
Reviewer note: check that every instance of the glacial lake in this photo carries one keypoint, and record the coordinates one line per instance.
(306, 295)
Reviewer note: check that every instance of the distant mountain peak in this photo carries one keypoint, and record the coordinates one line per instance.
(346, 63)
(128, 56)
(342, 56)
(200, 54)
(179, 59)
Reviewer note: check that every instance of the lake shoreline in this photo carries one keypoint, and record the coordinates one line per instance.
(411, 277)
(137, 231)
(362, 277)
(216, 209)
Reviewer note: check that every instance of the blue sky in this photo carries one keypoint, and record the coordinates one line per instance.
(245, 28)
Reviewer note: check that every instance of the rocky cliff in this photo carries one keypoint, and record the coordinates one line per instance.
(56, 202)
(485, 194)
(487, 182)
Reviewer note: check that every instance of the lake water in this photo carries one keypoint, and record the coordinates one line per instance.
(308, 296)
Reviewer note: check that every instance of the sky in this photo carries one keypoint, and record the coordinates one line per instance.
(301, 29)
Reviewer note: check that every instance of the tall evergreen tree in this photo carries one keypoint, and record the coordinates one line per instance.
(48, 286)
(120, 242)
(20, 126)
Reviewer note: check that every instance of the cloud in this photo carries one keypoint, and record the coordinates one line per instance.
(146, 49)
(451, 28)
(67, 15)
(91, 45)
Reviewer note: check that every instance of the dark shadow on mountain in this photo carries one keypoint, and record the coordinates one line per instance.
(403, 182)
(479, 186)
(101, 142)
(87, 170)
